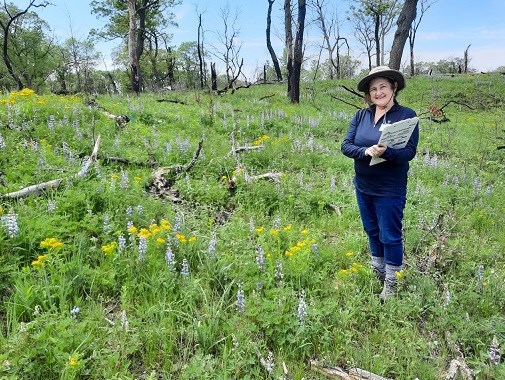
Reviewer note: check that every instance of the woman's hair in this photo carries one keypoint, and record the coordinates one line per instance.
(391, 81)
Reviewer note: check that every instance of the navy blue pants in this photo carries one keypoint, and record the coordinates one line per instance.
(382, 220)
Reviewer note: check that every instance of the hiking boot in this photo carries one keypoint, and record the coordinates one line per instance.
(381, 275)
(389, 289)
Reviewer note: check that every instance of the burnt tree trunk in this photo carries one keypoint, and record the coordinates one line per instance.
(407, 16)
(298, 53)
(289, 41)
(213, 77)
(275, 61)
(200, 51)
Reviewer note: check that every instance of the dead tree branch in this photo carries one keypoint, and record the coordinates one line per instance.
(55, 183)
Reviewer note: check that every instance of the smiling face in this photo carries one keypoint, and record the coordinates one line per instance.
(381, 92)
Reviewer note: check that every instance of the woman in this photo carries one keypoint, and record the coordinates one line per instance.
(381, 189)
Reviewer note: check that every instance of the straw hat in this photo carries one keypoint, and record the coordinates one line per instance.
(383, 72)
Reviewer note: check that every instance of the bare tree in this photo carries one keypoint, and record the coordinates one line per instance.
(328, 23)
(275, 61)
(364, 32)
(407, 16)
(425, 5)
(12, 14)
(466, 60)
(200, 50)
(229, 39)
(298, 52)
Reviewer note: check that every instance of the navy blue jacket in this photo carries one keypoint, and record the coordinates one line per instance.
(387, 178)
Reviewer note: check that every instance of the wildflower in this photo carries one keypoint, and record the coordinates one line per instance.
(355, 267)
(212, 245)
(169, 256)
(51, 243)
(2, 142)
(109, 248)
(332, 184)
(251, 224)
(314, 248)
(124, 180)
(40, 262)
(72, 361)
(240, 301)
(268, 363)
(349, 254)
(494, 352)
(259, 230)
(185, 268)
(274, 232)
(132, 230)
(278, 274)
(121, 243)
(106, 223)
(260, 258)
(160, 240)
(302, 307)
(10, 224)
(145, 233)
(192, 239)
(75, 312)
(181, 238)
(399, 275)
(142, 248)
(343, 272)
(124, 321)
(165, 224)
(288, 227)
(305, 232)
(51, 205)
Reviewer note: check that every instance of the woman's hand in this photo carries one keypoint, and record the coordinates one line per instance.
(375, 150)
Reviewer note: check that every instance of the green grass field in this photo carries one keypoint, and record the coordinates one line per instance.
(253, 261)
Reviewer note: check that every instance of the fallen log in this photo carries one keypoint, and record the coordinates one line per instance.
(55, 183)
(120, 120)
(339, 373)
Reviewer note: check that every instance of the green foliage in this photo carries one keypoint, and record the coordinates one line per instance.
(263, 261)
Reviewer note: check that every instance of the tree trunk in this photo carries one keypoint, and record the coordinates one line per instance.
(275, 61)
(213, 77)
(298, 53)
(132, 47)
(377, 19)
(289, 41)
(411, 45)
(200, 50)
(466, 60)
(407, 16)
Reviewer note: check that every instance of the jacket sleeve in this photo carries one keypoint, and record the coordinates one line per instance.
(404, 154)
(348, 147)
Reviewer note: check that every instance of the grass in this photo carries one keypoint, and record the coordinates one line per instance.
(245, 277)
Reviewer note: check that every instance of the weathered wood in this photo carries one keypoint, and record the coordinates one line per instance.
(55, 183)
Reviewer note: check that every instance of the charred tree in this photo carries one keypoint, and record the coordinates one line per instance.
(275, 61)
(404, 23)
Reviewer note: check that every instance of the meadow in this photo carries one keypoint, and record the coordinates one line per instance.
(218, 237)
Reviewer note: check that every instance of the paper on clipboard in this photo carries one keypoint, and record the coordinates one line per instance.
(395, 135)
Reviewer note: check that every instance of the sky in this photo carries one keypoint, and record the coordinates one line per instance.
(448, 27)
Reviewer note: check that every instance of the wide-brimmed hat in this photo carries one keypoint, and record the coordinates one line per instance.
(383, 72)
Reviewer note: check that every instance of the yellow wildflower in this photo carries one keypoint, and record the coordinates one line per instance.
(288, 227)
(165, 224)
(133, 230)
(181, 238)
(305, 232)
(72, 361)
(160, 240)
(259, 230)
(192, 239)
(144, 232)
(343, 272)
(349, 254)
(50, 243)
(40, 262)
(109, 248)
(274, 232)
(399, 275)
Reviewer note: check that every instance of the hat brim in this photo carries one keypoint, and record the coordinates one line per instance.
(393, 74)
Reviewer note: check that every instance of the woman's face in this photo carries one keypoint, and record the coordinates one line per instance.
(381, 92)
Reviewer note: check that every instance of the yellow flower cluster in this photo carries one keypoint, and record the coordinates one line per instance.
(40, 262)
(299, 246)
(261, 140)
(355, 268)
(109, 248)
(51, 243)
(72, 361)
(183, 239)
(13, 96)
